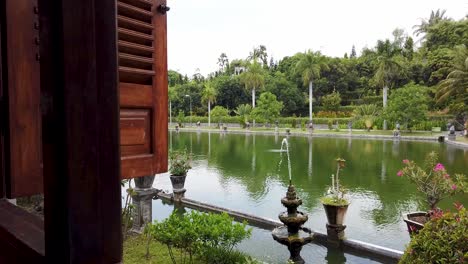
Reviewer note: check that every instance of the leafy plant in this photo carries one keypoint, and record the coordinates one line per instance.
(209, 236)
(433, 179)
(268, 107)
(128, 209)
(219, 113)
(336, 192)
(179, 162)
(367, 113)
(243, 111)
(180, 118)
(444, 239)
(331, 102)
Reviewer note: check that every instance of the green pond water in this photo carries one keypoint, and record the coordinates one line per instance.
(241, 172)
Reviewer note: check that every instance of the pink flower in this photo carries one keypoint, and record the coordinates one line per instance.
(399, 173)
(446, 176)
(405, 161)
(439, 167)
(454, 187)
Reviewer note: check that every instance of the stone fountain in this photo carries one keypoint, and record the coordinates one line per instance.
(292, 234)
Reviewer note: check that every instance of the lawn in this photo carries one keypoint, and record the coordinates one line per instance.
(135, 252)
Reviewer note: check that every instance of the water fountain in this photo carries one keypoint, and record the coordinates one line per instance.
(292, 234)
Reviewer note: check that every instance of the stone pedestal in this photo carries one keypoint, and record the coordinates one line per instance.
(179, 194)
(143, 212)
(335, 235)
(451, 136)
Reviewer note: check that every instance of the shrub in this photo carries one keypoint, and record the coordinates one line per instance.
(209, 236)
(433, 179)
(444, 239)
(331, 102)
(179, 163)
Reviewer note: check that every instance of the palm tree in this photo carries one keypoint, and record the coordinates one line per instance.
(253, 78)
(456, 82)
(310, 66)
(434, 18)
(387, 69)
(209, 95)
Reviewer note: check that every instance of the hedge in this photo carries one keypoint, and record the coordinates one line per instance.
(342, 122)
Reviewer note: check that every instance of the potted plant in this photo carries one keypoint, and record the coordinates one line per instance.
(179, 166)
(433, 180)
(334, 202)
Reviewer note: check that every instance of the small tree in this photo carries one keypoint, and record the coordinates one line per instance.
(433, 179)
(243, 111)
(268, 107)
(219, 113)
(367, 113)
(331, 102)
(408, 105)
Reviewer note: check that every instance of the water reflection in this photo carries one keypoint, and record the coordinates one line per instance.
(240, 173)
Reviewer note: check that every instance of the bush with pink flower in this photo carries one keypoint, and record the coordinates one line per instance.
(433, 180)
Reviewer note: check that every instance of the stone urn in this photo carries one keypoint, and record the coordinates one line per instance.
(335, 214)
(144, 183)
(178, 181)
(415, 221)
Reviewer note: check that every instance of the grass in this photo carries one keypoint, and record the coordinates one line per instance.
(134, 252)
(462, 139)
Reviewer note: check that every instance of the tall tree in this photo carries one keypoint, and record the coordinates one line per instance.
(259, 53)
(433, 19)
(456, 82)
(253, 78)
(387, 68)
(310, 66)
(353, 52)
(223, 62)
(209, 96)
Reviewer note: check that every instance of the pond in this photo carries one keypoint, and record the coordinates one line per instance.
(238, 171)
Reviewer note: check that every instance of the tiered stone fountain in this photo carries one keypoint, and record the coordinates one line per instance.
(292, 234)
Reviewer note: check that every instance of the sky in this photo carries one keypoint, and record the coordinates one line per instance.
(200, 30)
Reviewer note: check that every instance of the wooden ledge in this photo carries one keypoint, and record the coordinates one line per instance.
(21, 233)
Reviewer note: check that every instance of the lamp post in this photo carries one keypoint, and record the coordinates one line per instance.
(190, 99)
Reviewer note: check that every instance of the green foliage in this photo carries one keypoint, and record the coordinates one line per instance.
(219, 114)
(310, 66)
(408, 105)
(433, 180)
(243, 112)
(444, 239)
(254, 77)
(367, 114)
(331, 102)
(209, 236)
(179, 162)
(128, 209)
(180, 118)
(268, 108)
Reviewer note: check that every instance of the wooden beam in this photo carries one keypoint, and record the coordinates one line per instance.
(79, 77)
(161, 83)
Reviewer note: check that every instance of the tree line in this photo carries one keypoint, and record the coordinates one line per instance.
(432, 65)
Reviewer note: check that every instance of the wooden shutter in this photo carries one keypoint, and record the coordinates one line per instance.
(143, 87)
(21, 98)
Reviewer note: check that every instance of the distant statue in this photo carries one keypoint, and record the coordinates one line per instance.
(397, 126)
(350, 126)
(247, 124)
(452, 130)
(198, 124)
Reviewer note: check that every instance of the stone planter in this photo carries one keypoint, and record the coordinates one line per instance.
(335, 214)
(143, 183)
(178, 182)
(415, 221)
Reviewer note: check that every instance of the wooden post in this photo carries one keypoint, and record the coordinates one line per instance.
(79, 85)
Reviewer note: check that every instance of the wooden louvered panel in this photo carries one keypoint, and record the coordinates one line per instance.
(143, 91)
(135, 49)
(143, 4)
(135, 37)
(134, 12)
(132, 61)
(133, 24)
